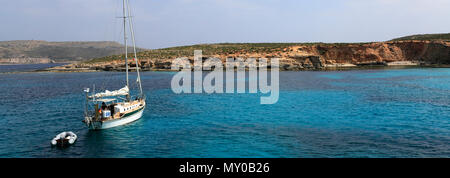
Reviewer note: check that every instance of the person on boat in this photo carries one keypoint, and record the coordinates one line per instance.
(111, 108)
(103, 106)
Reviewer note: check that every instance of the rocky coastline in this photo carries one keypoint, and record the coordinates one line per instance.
(298, 57)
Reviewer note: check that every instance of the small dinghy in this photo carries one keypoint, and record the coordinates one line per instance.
(64, 139)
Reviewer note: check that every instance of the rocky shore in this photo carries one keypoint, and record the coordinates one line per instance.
(294, 57)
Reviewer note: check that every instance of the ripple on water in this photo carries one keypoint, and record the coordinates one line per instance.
(373, 113)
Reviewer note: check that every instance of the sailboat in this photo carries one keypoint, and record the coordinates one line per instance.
(110, 109)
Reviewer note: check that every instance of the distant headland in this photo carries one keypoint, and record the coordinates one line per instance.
(39, 52)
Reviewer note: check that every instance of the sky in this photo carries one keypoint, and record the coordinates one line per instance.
(168, 23)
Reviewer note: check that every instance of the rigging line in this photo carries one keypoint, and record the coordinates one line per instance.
(110, 75)
(130, 21)
(125, 41)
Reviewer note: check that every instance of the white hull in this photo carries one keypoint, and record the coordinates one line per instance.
(117, 122)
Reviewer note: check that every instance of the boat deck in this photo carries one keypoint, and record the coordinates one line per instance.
(130, 107)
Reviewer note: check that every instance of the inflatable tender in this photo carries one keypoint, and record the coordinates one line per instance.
(64, 139)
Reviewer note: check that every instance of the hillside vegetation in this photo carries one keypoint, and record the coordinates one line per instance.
(214, 49)
(432, 49)
(245, 48)
(59, 51)
(442, 36)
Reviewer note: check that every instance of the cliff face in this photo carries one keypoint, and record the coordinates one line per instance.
(382, 53)
(300, 56)
(421, 51)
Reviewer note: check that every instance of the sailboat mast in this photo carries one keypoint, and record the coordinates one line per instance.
(130, 21)
(126, 44)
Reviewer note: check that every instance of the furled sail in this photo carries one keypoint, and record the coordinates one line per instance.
(122, 92)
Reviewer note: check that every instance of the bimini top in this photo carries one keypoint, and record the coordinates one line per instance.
(122, 92)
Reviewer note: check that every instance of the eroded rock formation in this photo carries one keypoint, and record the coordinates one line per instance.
(319, 56)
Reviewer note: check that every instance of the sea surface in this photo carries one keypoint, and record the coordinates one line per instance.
(358, 114)
(26, 67)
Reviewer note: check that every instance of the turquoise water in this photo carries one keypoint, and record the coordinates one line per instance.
(368, 113)
(26, 67)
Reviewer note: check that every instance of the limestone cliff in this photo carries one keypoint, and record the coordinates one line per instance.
(317, 56)
(431, 52)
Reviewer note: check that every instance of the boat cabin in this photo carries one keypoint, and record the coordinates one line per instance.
(110, 109)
